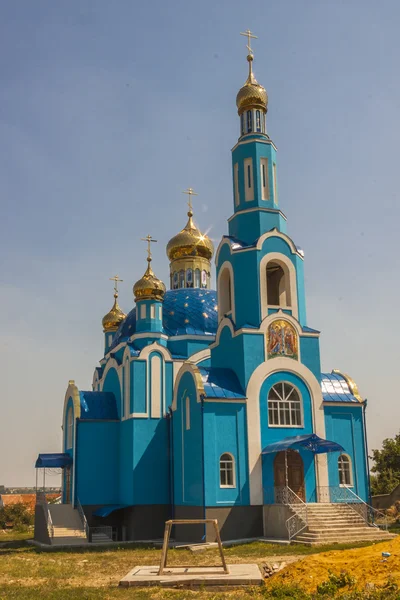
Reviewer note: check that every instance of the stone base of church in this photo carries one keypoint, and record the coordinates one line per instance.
(141, 522)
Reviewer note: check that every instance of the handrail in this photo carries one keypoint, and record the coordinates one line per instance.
(42, 500)
(350, 498)
(83, 519)
(299, 521)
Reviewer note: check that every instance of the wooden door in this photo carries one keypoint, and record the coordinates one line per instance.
(295, 472)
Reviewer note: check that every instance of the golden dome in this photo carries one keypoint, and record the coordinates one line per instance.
(113, 319)
(252, 94)
(190, 242)
(149, 287)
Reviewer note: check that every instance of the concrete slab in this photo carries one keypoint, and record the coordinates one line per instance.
(239, 575)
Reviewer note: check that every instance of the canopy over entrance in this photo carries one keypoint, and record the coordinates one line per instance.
(53, 461)
(311, 442)
(104, 511)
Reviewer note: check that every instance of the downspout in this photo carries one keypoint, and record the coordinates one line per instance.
(203, 465)
(171, 462)
(366, 453)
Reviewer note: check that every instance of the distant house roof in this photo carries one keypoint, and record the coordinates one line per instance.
(98, 406)
(28, 499)
(335, 388)
(221, 383)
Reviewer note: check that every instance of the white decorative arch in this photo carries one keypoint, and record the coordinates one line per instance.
(221, 292)
(72, 392)
(290, 272)
(194, 371)
(224, 323)
(282, 236)
(223, 242)
(257, 379)
(280, 315)
(154, 347)
(199, 356)
(112, 364)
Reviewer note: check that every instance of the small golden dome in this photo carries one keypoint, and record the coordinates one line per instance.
(113, 319)
(252, 94)
(190, 242)
(149, 287)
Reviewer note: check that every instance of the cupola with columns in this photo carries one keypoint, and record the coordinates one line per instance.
(113, 319)
(190, 253)
(149, 296)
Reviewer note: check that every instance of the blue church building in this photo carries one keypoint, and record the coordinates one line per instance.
(212, 404)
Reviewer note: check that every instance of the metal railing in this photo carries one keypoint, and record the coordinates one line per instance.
(42, 500)
(101, 532)
(345, 495)
(286, 496)
(83, 519)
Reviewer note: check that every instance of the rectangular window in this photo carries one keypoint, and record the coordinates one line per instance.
(264, 179)
(248, 177)
(187, 413)
(152, 312)
(143, 311)
(236, 183)
(275, 184)
(160, 313)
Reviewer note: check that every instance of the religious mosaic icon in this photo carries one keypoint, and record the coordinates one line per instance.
(282, 340)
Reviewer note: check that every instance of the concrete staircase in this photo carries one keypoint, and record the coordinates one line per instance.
(337, 523)
(67, 524)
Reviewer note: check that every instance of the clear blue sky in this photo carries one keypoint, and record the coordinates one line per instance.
(108, 110)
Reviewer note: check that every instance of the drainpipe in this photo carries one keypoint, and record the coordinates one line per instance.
(171, 462)
(203, 465)
(366, 452)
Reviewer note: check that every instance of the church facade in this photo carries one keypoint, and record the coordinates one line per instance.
(195, 384)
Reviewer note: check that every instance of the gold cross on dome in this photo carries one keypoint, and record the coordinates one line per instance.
(148, 239)
(250, 36)
(116, 280)
(190, 192)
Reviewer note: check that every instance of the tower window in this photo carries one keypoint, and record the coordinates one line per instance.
(197, 278)
(249, 121)
(152, 312)
(204, 279)
(258, 120)
(160, 313)
(182, 278)
(143, 311)
(175, 281)
(224, 293)
(189, 278)
(242, 123)
(264, 179)
(278, 289)
(344, 467)
(227, 471)
(248, 177)
(284, 406)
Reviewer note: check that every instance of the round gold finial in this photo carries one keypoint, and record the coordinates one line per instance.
(113, 319)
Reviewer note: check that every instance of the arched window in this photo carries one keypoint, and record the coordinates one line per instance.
(249, 121)
(242, 123)
(189, 278)
(224, 293)
(258, 120)
(278, 287)
(70, 425)
(204, 279)
(227, 478)
(284, 406)
(197, 278)
(345, 470)
(182, 278)
(175, 281)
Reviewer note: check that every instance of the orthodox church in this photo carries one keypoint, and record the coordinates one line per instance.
(207, 404)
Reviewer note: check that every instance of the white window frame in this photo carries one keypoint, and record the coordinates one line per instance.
(70, 429)
(152, 311)
(142, 311)
(248, 190)
(160, 313)
(264, 169)
(285, 399)
(350, 470)
(232, 462)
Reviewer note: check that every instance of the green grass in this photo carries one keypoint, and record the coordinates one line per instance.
(26, 573)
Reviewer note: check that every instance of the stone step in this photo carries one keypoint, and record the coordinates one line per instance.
(349, 530)
(350, 536)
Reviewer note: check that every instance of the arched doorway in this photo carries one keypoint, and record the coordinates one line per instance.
(295, 472)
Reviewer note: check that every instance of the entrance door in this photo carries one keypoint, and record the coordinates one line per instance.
(68, 485)
(295, 471)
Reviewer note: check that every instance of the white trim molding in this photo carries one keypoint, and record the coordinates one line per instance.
(188, 367)
(290, 275)
(282, 236)
(257, 379)
(199, 356)
(226, 266)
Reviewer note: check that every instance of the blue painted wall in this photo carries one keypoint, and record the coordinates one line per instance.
(150, 461)
(138, 403)
(344, 424)
(97, 457)
(111, 384)
(70, 451)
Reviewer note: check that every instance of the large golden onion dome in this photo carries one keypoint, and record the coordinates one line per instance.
(113, 319)
(190, 242)
(252, 94)
(149, 287)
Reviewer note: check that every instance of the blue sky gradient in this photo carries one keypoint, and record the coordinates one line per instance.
(108, 110)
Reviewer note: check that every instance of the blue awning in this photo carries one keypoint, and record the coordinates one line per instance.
(45, 461)
(311, 442)
(104, 511)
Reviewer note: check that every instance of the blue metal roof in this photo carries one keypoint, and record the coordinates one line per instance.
(98, 406)
(220, 383)
(52, 461)
(189, 311)
(335, 389)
